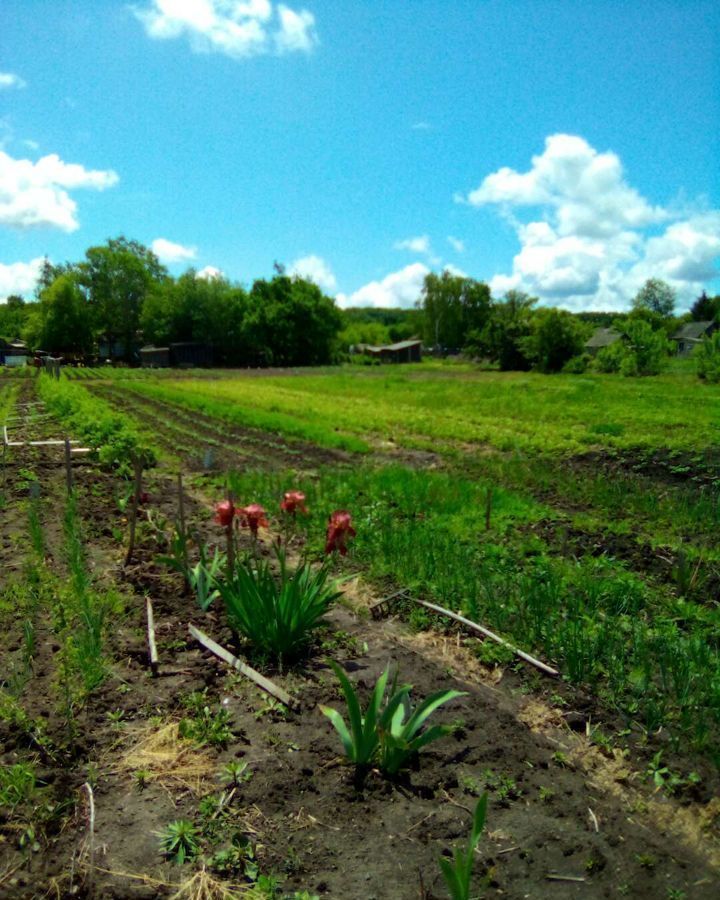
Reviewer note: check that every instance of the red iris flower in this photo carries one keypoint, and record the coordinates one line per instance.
(224, 513)
(338, 531)
(253, 517)
(294, 502)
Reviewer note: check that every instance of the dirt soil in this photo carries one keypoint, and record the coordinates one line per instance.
(565, 820)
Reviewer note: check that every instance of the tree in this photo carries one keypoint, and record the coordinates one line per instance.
(292, 322)
(503, 338)
(556, 336)
(117, 278)
(656, 296)
(646, 350)
(64, 324)
(453, 306)
(705, 308)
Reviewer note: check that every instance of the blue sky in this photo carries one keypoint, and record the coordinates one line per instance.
(568, 149)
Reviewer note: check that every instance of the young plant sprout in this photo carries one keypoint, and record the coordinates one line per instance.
(458, 872)
(338, 531)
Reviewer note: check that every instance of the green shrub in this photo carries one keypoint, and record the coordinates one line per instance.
(707, 357)
(578, 365)
(610, 358)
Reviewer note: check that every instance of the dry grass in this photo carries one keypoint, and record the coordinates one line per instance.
(169, 759)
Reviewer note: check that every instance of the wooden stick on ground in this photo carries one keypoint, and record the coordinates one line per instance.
(91, 838)
(152, 646)
(68, 466)
(244, 669)
(543, 667)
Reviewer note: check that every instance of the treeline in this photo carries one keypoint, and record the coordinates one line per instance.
(120, 297)
(460, 315)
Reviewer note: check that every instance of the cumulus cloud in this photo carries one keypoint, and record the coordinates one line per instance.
(169, 252)
(36, 194)
(10, 80)
(399, 289)
(315, 269)
(210, 273)
(457, 245)
(236, 28)
(588, 243)
(19, 277)
(420, 244)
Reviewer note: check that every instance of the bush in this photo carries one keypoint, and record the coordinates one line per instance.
(610, 358)
(578, 365)
(707, 356)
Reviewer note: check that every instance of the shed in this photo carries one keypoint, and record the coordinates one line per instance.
(188, 354)
(152, 357)
(403, 351)
(601, 338)
(14, 353)
(691, 334)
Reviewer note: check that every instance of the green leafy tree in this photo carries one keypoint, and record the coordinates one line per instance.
(503, 340)
(656, 296)
(64, 324)
(453, 307)
(705, 308)
(556, 336)
(292, 321)
(117, 278)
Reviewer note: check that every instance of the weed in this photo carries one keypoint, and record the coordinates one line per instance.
(179, 841)
(458, 872)
(235, 773)
(206, 726)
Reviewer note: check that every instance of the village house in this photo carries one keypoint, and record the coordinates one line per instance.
(692, 334)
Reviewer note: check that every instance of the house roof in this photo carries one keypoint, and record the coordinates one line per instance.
(603, 337)
(402, 345)
(692, 331)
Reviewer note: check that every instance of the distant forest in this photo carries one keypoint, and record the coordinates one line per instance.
(119, 297)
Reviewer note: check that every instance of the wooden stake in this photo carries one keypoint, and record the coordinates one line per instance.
(91, 838)
(151, 636)
(543, 667)
(68, 466)
(137, 462)
(244, 669)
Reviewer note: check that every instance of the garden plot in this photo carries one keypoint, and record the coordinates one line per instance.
(270, 803)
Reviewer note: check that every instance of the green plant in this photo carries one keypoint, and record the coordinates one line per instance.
(277, 614)
(235, 773)
(206, 726)
(17, 784)
(179, 841)
(458, 872)
(390, 729)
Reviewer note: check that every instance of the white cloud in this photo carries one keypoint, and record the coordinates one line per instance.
(399, 289)
(210, 273)
(457, 245)
(9, 80)
(315, 269)
(237, 29)
(19, 278)
(169, 252)
(587, 244)
(36, 194)
(421, 126)
(420, 244)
